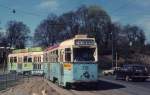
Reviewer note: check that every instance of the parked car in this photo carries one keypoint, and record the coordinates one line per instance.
(132, 72)
(110, 71)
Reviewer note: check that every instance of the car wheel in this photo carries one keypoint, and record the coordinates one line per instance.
(143, 80)
(105, 74)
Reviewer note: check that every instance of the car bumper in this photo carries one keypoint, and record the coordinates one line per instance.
(141, 77)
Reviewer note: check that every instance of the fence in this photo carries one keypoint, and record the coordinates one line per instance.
(9, 80)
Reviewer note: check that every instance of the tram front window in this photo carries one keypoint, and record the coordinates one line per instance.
(84, 54)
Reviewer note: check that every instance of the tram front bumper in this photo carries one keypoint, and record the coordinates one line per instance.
(84, 83)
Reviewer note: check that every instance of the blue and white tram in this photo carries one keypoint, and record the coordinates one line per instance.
(72, 62)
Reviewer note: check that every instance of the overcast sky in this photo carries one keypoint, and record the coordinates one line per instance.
(31, 12)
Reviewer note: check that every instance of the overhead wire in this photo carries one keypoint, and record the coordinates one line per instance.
(14, 10)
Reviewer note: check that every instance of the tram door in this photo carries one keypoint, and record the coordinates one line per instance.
(61, 65)
(48, 70)
(20, 67)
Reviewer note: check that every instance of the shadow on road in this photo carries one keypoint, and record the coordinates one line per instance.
(102, 85)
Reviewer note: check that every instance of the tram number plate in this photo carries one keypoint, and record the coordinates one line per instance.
(85, 67)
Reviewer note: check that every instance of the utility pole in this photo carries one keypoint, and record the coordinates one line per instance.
(114, 48)
(112, 34)
(116, 59)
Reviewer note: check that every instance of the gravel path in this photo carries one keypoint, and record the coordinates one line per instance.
(40, 86)
(33, 86)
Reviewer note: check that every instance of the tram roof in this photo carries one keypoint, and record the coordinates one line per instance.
(52, 47)
(26, 50)
(67, 43)
(71, 42)
(26, 54)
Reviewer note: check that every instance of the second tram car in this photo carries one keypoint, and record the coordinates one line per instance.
(73, 62)
(26, 61)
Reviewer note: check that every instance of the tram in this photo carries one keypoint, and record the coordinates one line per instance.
(73, 62)
(26, 61)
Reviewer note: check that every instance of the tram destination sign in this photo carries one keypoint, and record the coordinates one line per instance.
(84, 42)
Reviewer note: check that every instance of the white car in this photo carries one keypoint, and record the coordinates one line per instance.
(110, 71)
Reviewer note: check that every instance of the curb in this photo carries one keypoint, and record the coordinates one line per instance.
(58, 89)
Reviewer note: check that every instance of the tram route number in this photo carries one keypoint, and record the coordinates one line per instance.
(85, 67)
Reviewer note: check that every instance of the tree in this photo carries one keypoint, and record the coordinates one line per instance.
(17, 34)
(95, 22)
(135, 36)
(92, 20)
(70, 26)
(46, 33)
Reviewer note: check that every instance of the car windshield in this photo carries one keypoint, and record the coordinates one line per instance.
(139, 67)
(84, 54)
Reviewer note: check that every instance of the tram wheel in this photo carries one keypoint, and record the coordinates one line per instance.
(68, 86)
(54, 80)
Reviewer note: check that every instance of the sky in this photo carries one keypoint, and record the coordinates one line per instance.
(32, 12)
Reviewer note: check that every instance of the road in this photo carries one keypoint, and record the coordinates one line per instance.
(110, 86)
(145, 84)
(107, 85)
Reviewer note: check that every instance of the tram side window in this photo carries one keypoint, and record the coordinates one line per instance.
(45, 57)
(61, 55)
(25, 59)
(29, 59)
(19, 59)
(35, 59)
(52, 56)
(39, 59)
(56, 56)
(36, 66)
(39, 66)
(49, 57)
(11, 59)
(15, 59)
(67, 54)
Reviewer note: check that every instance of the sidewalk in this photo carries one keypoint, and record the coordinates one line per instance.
(32, 86)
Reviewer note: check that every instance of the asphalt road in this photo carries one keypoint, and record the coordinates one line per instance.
(145, 84)
(107, 85)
